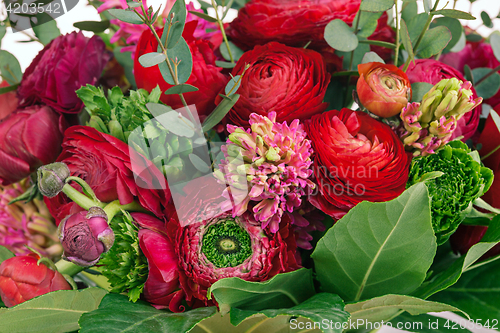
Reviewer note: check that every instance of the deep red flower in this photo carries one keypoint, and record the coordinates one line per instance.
(205, 75)
(106, 164)
(289, 81)
(357, 158)
(21, 279)
(29, 138)
(432, 71)
(62, 67)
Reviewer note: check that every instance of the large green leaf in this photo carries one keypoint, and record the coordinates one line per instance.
(178, 12)
(376, 5)
(415, 25)
(340, 36)
(45, 28)
(282, 291)
(378, 248)
(219, 112)
(54, 312)
(385, 307)
(367, 23)
(455, 27)
(10, 68)
(489, 87)
(450, 276)
(434, 41)
(5, 254)
(117, 314)
(323, 306)
(180, 53)
(425, 324)
(477, 292)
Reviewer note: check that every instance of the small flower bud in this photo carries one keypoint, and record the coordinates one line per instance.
(51, 178)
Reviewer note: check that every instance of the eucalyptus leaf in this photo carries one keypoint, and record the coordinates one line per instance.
(364, 248)
(340, 36)
(495, 45)
(405, 38)
(236, 52)
(220, 112)
(224, 64)
(468, 74)
(45, 28)
(359, 53)
(367, 23)
(460, 44)
(199, 164)
(5, 254)
(419, 89)
(455, 27)
(486, 19)
(3, 31)
(453, 13)
(281, 291)
(385, 307)
(181, 89)
(117, 314)
(427, 6)
(489, 87)
(409, 10)
(372, 57)
(179, 13)
(58, 311)
(204, 16)
(182, 53)
(94, 26)
(151, 59)
(125, 16)
(415, 25)
(376, 5)
(320, 307)
(133, 4)
(434, 41)
(177, 124)
(233, 85)
(158, 109)
(10, 68)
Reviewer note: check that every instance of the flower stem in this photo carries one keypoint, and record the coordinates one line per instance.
(223, 32)
(493, 71)
(379, 43)
(81, 199)
(87, 190)
(66, 267)
(396, 55)
(490, 153)
(356, 24)
(115, 207)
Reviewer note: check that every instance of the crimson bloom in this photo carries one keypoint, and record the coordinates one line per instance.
(22, 279)
(62, 67)
(29, 138)
(106, 164)
(205, 75)
(432, 71)
(289, 81)
(357, 158)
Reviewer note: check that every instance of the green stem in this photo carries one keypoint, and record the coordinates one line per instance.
(80, 199)
(115, 207)
(421, 36)
(356, 25)
(66, 267)
(223, 32)
(379, 43)
(87, 190)
(228, 7)
(490, 153)
(396, 55)
(493, 71)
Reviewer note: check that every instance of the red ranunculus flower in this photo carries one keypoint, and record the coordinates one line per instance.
(383, 89)
(205, 75)
(105, 163)
(432, 71)
(289, 81)
(29, 138)
(62, 67)
(357, 158)
(212, 247)
(21, 279)
(8, 101)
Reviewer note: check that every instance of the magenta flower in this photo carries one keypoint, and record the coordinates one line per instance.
(268, 165)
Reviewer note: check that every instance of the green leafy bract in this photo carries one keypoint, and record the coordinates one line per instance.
(124, 265)
(463, 181)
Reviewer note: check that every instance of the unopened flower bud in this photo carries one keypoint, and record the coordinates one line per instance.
(51, 178)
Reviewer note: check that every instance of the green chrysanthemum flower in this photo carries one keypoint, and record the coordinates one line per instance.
(463, 180)
(124, 265)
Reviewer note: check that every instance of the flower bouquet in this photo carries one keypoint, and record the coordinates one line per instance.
(309, 166)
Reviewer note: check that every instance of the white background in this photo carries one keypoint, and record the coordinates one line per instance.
(25, 52)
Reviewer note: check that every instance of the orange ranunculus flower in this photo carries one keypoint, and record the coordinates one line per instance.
(383, 89)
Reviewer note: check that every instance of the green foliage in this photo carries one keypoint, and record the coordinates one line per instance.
(5, 254)
(117, 314)
(126, 16)
(486, 19)
(10, 68)
(455, 28)
(93, 26)
(495, 44)
(219, 112)
(282, 291)
(340, 36)
(178, 12)
(45, 28)
(405, 38)
(55, 312)
(376, 5)
(463, 181)
(124, 265)
(236, 52)
(151, 59)
(426, 324)
(184, 65)
(434, 41)
(489, 87)
(361, 256)
(419, 89)
(453, 13)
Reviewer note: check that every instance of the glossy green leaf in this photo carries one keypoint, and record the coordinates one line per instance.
(489, 87)
(415, 25)
(7, 89)
(220, 112)
(10, 68)
(151, 59)
(94, 26)
(409, 10)
(405, 38)
(450, 276)
(453, 13)
(283, 290)
(385, 307)
(427, 6)
(5, 254)
(419, 89)
(175, 33)
(426, 324)
(125, 16)
(340, 36)
(486, 19)
(364, 248)
(224, 64)
(181, 89)
(117, 314)
(182, 53)
(323, 306)
(455, 28)
(376, 5)
(44, 27)
(367, 23)
(58, 311)
(204, 16)
(434, 41)
(235, 51)
(371, 57)
(495, 45)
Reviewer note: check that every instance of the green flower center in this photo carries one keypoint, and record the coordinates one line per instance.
(226, 244)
